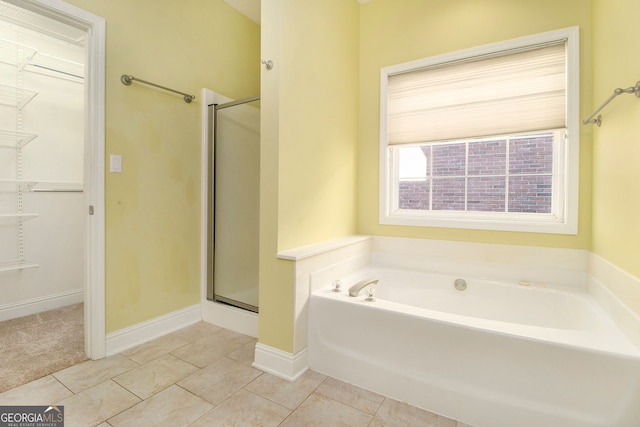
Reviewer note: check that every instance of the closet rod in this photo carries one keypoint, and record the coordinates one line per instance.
(57, 71)
(598, 120)
(127, 79)
(238, 102)
(57, 190)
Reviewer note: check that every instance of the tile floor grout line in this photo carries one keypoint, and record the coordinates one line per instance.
(126, 409)
(132, 392)
(201, 417)
(262, 397)
(61, 383)
(243, 388)
(106, 420)
(150, 397)
(176, 382)
(300, 404)
(199, 397)
(286, 418)
(315, 390)
(377, 410)
(271, 400)
(91, 361)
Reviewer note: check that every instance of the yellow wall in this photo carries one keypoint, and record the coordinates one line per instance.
(396, 31)
(153, 207)
(276, 294)
(318, 120)
(309, 136)
(320, 125)
(616, 152)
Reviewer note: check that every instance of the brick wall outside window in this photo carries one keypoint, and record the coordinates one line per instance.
(479, 169)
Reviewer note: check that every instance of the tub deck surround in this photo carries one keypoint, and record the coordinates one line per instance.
(329, 259)
(318, 262)
(551, 266)
(610, 284)
(310, 251)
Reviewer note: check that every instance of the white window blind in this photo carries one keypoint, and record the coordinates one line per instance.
(522, 91)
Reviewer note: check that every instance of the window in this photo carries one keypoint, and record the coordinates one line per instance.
(485, 138)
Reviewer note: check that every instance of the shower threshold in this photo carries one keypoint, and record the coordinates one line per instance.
(235, 303)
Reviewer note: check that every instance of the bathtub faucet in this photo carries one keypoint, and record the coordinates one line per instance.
(355, 289)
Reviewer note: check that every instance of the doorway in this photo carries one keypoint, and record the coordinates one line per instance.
(91, 189)
(41, 163)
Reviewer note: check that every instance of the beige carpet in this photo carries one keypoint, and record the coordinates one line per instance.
(34, 346)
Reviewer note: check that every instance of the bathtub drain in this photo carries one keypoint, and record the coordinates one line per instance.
(460, 284)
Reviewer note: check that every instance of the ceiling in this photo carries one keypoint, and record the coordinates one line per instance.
(249, 8)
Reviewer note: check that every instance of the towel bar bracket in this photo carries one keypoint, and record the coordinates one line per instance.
(619, 91)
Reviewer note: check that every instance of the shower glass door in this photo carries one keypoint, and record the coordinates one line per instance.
(235, 186)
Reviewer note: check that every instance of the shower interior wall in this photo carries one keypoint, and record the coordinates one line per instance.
(54, 159)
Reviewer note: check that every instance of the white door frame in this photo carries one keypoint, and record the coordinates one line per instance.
(94, 283)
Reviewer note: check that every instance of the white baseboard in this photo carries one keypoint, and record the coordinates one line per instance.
(280, 363)
(140, 333)
(233, 318)
(38, 305)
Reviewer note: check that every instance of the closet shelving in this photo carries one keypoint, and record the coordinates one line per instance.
(15, 139)
(16, 264)
(17, 184)
(17, 98)
(14, 217)
(14, 53)
(27, 58)
(24, 58)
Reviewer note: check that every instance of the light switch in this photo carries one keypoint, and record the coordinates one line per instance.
(115, 163)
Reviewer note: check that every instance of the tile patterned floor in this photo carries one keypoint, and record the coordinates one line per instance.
(202, 376)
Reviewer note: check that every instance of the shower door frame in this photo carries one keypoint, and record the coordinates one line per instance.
(226, 316)
(212, 120)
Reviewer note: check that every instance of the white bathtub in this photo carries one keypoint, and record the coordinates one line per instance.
(495, 354)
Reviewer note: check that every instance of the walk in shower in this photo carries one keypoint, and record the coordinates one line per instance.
(233, 164)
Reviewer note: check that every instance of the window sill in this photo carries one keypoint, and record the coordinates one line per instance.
(525, 223)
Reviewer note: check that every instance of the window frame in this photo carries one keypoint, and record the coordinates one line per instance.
(564, 219)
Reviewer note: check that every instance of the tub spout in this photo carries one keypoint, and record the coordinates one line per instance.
(355, 289)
